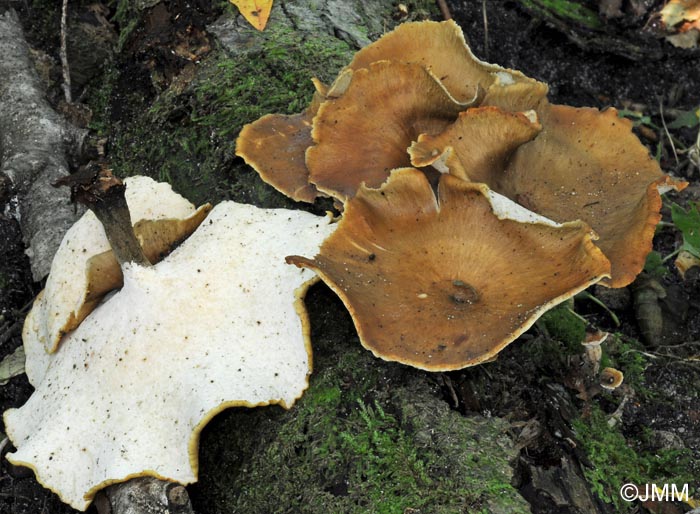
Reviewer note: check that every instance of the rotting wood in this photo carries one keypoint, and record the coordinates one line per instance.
(144, 496)
(35, 143)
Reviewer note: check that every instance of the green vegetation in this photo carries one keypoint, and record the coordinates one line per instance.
(688, 119)
(360, 440)
(565, 9)
(654, 265)
(564, 325)
(614, 462)
(688, 222)
(126, 16)
(186, 136)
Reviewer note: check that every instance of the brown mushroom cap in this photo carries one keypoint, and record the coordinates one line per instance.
(365, 133)
(443, 283)
(477, 146)
(440, 47)
(611, 378)
(588, 165)
(275, 146)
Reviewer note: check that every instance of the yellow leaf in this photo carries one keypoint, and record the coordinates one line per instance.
(255, 11)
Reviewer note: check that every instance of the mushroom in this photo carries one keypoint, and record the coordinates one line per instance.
(584, 164)
(275, 146)
(84, 268)
(611, 378)
(588, 165)
(441, 283)
(440, 48)
(363, 134)
(593, 352)
(218, 323)
(478, 145)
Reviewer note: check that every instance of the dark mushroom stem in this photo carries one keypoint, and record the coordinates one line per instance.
(96, 187)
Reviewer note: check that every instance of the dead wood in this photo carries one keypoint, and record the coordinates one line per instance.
(144, 496)
(35, 143)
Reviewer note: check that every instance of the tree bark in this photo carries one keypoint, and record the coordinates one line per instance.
(145, 496)
(35, 142)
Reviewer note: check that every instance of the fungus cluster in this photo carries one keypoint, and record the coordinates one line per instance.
(471, 205)
(436, 281)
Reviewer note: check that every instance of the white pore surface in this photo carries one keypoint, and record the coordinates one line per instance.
(505, 208)
(66, 286)
(213, 325)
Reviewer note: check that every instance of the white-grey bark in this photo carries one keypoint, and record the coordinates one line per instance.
(145, 496)
(34, 144)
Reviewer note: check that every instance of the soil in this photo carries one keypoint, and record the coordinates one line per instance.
(533, 383)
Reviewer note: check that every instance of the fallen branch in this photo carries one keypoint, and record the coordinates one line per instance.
(144, 496)
(64, 53)
(34, 144)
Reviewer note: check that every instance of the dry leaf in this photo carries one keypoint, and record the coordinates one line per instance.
(682, 18)
(679, 11)
(255, 11)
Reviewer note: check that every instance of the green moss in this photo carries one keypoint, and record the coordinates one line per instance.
(367, 436)
(187, 137)
(126, 16)
(566, 10)
(614, 462)
(563, 324)
(98, 99)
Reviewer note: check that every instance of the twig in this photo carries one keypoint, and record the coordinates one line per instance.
(616, 417)
(64, 53)
(670, 139)
(8, 334)
(671, 255)
(600, 303)
(446, 15)
(451, 388)
(486, 29)
(576, 314)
